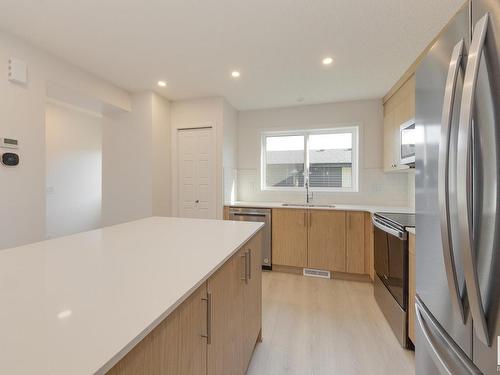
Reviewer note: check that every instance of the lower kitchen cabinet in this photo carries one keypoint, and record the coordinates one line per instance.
(175, 346)
(212, 332)
(289, 237)
(355, 244)
(225, 294)
(332, 240)
(327, 240)
(252, 291)
(235, 294)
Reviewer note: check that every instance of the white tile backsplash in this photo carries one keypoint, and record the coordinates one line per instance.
(375, 188)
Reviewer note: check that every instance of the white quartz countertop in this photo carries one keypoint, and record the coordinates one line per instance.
(75, 305)
(341, 207)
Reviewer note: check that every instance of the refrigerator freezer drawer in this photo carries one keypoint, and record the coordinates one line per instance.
(436, 353)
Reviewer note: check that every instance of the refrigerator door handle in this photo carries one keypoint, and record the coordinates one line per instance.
(464, 180)
(446, 355)
(443, 176)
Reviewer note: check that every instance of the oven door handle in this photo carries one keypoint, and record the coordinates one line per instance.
(397, 233)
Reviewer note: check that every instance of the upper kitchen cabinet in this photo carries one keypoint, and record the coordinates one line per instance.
(398, 109)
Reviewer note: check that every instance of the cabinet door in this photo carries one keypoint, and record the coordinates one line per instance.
(175, 346)
(411, 288)
(225, 292)
(326, 240)
(289, 227)
(369, 269)
(397, 110)
(193, 324)
(252, 298)
(389, 137)
(356, 242)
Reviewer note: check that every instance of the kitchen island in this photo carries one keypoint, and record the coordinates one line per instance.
(157, 295)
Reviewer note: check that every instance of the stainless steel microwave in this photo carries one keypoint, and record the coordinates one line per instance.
(407, 142)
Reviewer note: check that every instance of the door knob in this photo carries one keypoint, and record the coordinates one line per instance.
(197, 201)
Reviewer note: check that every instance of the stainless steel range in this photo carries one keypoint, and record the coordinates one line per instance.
(391, 269)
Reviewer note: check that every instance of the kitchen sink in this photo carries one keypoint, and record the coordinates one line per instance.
(308, 205)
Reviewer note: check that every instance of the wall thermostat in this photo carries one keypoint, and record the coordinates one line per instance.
(9, 143)
(10, 159)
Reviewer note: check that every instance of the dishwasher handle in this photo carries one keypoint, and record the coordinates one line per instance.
(248, 214)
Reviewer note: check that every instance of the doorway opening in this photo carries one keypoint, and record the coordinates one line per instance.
(73, 170)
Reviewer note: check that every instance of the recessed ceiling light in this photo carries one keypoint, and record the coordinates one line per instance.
(162, 83)
(64, 314)
(327, 61)
(235, 74)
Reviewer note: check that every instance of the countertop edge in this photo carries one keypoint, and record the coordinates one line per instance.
(338, 207)
(123, 352)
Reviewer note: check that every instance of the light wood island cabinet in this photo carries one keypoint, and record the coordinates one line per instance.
(214, 331)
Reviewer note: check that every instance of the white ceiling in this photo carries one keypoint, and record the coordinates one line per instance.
(277, 45)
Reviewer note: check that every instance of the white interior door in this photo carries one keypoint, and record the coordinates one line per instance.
(196, 173)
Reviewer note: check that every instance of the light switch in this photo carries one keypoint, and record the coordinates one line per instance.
(18, 71)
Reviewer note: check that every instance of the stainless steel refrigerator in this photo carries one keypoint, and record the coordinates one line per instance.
(457, 196)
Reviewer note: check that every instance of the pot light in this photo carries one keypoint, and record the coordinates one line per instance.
(64, 314)
(327, 61)
(235, 74)
(162, 83)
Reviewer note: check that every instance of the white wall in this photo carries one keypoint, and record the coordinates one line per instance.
(230, 152)
(411, 189)
(22, 116)
(161, 156)
(127, 185)
(136, 158)
(128, 134)
(195, 114)
(375, 186)
(74, 169)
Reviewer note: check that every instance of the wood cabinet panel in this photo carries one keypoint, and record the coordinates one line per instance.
(389, 139)
(326, 240)
(397, 110)
(289, 237)
(174, 347)
(225, 288)
(369, 268)
(411, 288)
(214, 331)
(253, 294)
(355, 253)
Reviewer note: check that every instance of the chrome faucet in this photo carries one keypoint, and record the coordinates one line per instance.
(309, 196)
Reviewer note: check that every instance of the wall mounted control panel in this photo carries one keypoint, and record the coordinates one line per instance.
(10, 159)
(9, 143)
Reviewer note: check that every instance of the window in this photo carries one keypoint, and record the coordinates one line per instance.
(327, 159)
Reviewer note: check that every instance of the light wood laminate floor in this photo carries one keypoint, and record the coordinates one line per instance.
(317, 326)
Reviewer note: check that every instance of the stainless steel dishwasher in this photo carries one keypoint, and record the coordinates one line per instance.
(262, 215)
